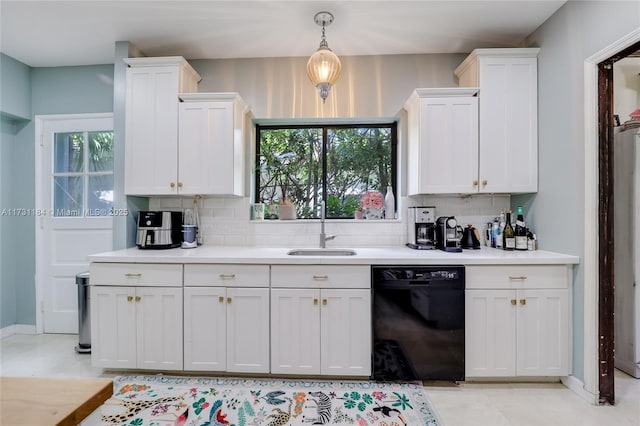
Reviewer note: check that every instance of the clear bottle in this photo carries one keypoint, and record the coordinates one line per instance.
(501, 220)
(389, 204)
(508, 235)
(521, 231)
(495, 233)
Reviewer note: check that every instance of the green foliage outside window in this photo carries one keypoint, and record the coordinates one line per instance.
(303, 163)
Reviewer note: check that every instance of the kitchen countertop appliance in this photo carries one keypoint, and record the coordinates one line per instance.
(421, 228)
(159, 230)
(418, 322)
(448, 234)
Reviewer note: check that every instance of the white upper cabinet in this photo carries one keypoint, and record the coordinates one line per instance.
(151, 130)
(212, 143)
(508, 110)
(442, 141)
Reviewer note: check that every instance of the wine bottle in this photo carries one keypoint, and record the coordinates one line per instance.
(508, 235)
(521, 231)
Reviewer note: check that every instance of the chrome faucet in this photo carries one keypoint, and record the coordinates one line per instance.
(323, 237)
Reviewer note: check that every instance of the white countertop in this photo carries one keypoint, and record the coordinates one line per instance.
(364, 256)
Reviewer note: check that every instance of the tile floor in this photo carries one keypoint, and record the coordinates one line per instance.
(472, 404)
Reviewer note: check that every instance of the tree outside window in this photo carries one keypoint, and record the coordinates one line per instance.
(302, 164)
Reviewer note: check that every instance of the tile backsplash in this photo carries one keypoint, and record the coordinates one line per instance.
(226, 221)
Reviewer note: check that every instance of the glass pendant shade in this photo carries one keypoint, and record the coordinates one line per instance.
(323, 69)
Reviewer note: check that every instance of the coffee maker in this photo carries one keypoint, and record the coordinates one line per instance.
(421, 228)
(448, 234)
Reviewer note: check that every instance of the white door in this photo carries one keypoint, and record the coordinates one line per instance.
(159, 328)
(74, 198)
(113, 331)
(248, 330)
(205, 328)
(295, 335)
(345, 328)
(490, 333)
(543, 342)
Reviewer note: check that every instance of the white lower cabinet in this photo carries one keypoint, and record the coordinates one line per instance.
(136, 327)
(321, 330)
(226, 328)
(519, 331)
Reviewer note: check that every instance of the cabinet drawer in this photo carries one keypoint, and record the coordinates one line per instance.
(517, 276)
(226, 275)
(321, 276)
(136, 274)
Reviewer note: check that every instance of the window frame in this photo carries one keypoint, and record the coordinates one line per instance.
(325, 126)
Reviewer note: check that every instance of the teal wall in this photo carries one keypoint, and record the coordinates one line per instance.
(15, 88)
(574, 33)
(60, 90)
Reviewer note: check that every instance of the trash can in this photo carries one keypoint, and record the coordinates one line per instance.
(84, 314)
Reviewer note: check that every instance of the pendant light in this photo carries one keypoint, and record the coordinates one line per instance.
(323, 67)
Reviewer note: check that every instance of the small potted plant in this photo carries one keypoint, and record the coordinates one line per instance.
(287, 208)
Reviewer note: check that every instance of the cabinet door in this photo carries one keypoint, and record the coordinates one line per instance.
(295, 331)
(449, 145)
(345, 329)
(205, 328)
(159, 328)
(151, 130)
(206, 148)
(248, 330)
(508, 125)
(543, 341)
(113, 332)
(490, 333)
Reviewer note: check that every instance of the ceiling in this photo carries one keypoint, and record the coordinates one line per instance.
(64, 33)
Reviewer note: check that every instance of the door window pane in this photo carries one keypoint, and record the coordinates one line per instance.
(100, 195)
(100, 151)
(68, 153)
(67, 191)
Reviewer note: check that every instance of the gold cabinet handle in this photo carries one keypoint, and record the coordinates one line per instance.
(221, 299)
(475, 183)
(513, 302)
(133, 275)
(172, 184)
(324, 302)
(315, 301)
(523, 302)
(320, 277)
(227, 276)
(228, 300)
(179, 184)
(520, 278)
(484, 182)
(129, 298)
(138, 298)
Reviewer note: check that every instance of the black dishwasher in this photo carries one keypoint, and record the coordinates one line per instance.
(418, 323)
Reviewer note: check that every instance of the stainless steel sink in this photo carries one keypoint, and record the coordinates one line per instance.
(321, 252)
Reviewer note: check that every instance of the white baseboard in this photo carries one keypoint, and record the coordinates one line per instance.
(628, 367)
(17, 329)
(577, 386)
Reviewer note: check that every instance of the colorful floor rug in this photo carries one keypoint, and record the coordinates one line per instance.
(193, 401)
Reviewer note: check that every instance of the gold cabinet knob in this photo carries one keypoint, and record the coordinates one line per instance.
(315, 301)
(179, 184)
(138, 298)
(172, 184)
(484, 182)
(513, 302)
(523, 302)
(228, 300)
(324, 301)
(129, 298)
(475, 183)
(221, 299)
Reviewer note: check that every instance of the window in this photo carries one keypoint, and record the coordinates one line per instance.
(82, 174)
(300, 164)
